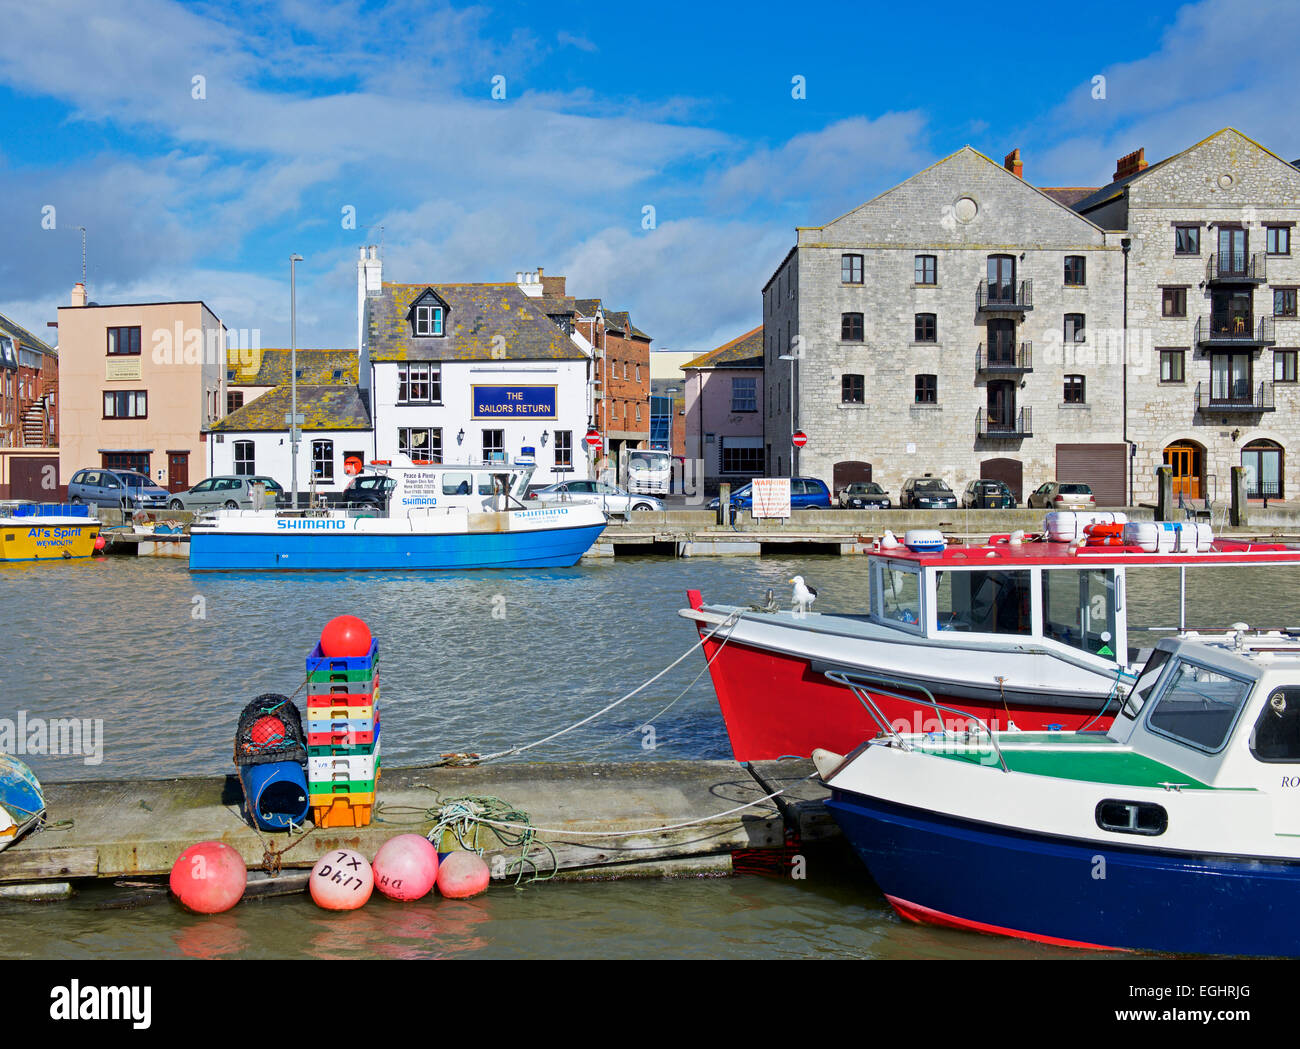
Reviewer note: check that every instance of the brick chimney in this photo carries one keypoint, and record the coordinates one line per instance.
(78, 294)
(1012, 163)
(552, 286)
(1130, 164)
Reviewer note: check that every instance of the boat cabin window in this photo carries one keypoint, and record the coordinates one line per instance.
(996, 602)
(485, 484)
(1079, 609)
(1198, 706)
(454, 483)
(899, 590)
(1146, 682)
(1276, 736)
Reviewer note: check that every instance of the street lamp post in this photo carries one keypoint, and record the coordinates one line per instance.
(794, 452)
(293, 377)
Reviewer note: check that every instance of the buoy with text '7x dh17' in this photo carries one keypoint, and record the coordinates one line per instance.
(462, 875)
(341, 880)
(406, 867)
(208, 878)
(345, 636)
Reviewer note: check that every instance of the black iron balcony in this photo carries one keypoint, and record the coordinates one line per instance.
(1005, 359)
(992, 295)
(1004, 427)
(1237, 267)
(1238, 331)
(1261, 400)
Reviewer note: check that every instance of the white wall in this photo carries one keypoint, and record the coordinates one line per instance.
(272, 455)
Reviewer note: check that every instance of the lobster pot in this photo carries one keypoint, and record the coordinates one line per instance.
(275, 794)
(1065, 526)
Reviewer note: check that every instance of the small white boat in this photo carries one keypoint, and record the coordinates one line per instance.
(22, 801)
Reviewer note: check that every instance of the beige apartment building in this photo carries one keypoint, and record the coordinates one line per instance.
(139, 384)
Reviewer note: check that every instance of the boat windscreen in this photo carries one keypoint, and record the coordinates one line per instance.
(1199, 706)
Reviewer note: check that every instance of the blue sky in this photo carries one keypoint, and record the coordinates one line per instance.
(310, 107)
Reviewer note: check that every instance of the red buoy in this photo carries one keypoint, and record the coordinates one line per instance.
(406, 867)
(462, 875)
(341, 880)
(208, 878)
(266, 731)
(345, 636)
(100, 542)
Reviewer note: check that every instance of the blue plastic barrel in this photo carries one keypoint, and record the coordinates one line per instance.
(275, 794)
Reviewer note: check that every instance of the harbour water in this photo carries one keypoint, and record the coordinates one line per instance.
(475, 662)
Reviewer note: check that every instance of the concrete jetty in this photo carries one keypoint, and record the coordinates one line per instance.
(118, 829)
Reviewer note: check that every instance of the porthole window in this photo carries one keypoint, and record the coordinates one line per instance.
(1132, 817)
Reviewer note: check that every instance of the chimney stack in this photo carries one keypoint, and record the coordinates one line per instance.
(1012, 163)
(1130, 164)
(78, 294)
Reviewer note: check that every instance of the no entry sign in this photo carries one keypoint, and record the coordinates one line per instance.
(799, 438)
(593, 440)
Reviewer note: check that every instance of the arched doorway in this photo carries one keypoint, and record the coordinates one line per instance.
(848, 472)
(1187, 458)
(1262, 460)
(1010, 472)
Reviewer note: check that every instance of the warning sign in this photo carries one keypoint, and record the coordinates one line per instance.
(771, 497)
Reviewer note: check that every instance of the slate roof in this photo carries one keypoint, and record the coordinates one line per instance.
(621, 320)
(270, 367)
(587, 307)
(324, 408)
(744, 351)
(24, 338)
(476, 314)
(1068, 195)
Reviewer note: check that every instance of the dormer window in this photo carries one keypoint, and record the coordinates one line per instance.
(428, 320)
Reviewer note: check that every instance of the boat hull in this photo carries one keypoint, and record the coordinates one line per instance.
(35, 539)
(776, 705)
(345, 551)
(961, 873)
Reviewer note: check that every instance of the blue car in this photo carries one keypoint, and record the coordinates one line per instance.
(806, 493)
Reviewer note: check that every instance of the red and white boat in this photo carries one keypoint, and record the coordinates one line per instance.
(1029, 633)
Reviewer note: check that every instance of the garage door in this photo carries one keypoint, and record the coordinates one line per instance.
(1010, 472)
(1103, 466)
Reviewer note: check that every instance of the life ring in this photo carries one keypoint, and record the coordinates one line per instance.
(1103, 531)
(352, 465)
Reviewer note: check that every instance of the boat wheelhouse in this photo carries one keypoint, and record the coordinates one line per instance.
(1176, 830)
(1028, 633)
(438, 517)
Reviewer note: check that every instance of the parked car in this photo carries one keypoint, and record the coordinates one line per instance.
(229, 492)
(122, 489)
(372, 491)
(864, 495)
(609, 497)
(987, 495)
(1062, 495)
(806, 493)
(927, 493)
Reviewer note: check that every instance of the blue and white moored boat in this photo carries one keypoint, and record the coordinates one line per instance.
(22, 801)
(1178, 830)
(443, 517)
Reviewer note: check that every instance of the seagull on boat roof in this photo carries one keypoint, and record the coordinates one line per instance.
(804, 595)
(889, 541)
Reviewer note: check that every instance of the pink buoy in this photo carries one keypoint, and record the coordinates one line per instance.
(341, 880)
(462, 875)
(208, 878)
(406, 867)
(345, 636)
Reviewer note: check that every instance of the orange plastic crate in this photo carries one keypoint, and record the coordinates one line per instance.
(343, 810)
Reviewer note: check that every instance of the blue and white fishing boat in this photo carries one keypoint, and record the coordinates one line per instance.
(440, 517)
(22, 801)
(1177, 830)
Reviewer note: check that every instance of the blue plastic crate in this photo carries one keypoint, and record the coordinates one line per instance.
(51, 510)
(319, 663)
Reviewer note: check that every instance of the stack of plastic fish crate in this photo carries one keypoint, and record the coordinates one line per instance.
(342, 737)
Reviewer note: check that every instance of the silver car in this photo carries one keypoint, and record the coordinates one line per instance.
(232, 493)
(609, 497)
(123, 489)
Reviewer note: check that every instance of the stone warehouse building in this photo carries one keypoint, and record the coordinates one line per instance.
(961, 325)
(1212, 281)
(967, 324)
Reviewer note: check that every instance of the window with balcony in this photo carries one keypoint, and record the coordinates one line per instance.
(1187, 240)
(1074, 390)
(851, 329)
(123, 342)
(1284, 302)
(851, 269)
(1001, 278)
(1171, 366)
(927, 269)
(853, 389)
(1075, 271)
(1284, 365)
(1173, 302)
(1075, 328)
(1278, 240)
(927, 389)
(926, 328)
(1230, 378)
(744, 395)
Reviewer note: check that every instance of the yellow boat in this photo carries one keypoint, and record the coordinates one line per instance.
(40, 532)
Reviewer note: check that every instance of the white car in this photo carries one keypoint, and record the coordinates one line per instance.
(609, 497)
